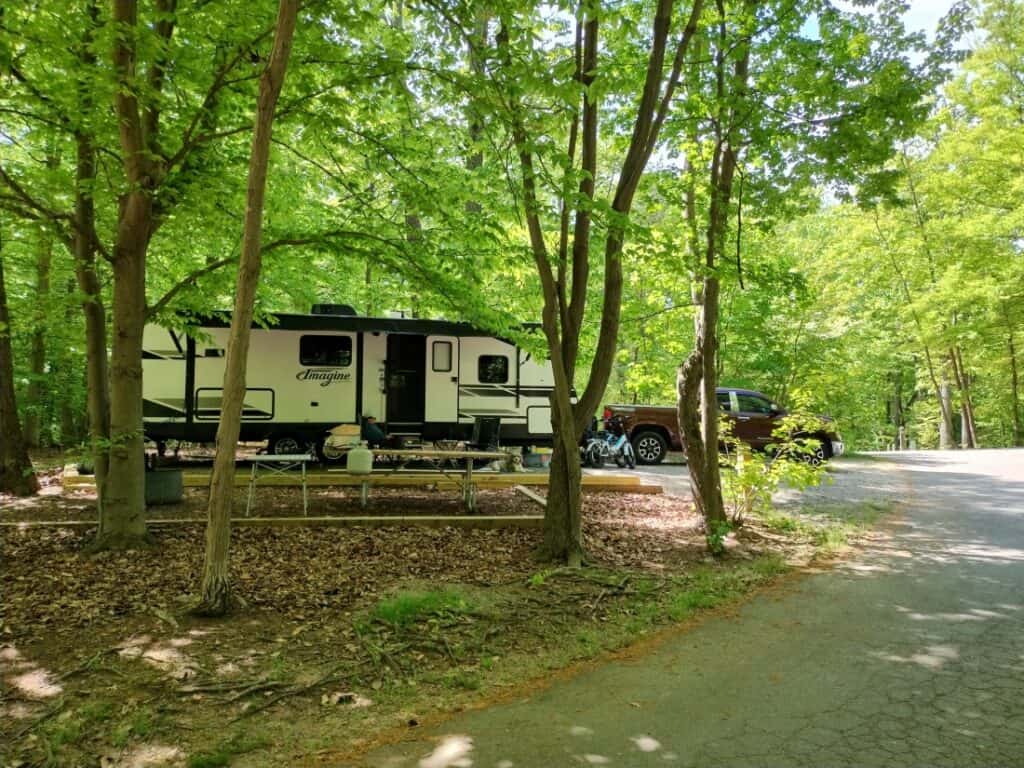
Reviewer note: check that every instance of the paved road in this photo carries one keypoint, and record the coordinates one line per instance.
(909, 654)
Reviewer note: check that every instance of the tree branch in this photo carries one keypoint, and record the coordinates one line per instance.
(20, 193)
(191, 279)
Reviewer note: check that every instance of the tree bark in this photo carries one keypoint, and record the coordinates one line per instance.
(215, 598)
(36, 392)
(947, 441)
(70, 433)
(969, 435)
(1018, 427)
(699, 372)
(123, 511)
(96, 363)
(16, 473)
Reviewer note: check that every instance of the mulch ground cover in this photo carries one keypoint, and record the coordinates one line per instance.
(53, 586)
(342, 634)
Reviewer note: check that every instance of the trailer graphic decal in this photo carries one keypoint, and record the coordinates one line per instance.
(325, 376)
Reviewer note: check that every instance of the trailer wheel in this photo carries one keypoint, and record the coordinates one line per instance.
(286, 444)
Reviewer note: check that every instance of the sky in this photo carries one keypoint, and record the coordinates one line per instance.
(925, 14)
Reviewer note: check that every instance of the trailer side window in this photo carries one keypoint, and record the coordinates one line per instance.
(441, 356)
(333, 351)
(492, 369)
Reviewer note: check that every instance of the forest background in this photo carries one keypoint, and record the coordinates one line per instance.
(884, 307)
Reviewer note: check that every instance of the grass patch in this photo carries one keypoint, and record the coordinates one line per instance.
(407, 608)
(227, 751)
(139, 725)
(829, 527)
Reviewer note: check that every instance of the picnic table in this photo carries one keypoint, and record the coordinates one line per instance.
(279, 464)
(438, 460)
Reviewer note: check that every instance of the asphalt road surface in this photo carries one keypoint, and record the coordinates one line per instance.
(910, 653)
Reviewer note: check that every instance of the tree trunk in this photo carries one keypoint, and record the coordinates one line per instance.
(69, 378)
(16, 473)
(969, 435)
(85, 246)
(1018, 427)
(122, 522)
(697, 422)
(946, 438)
(123, 510)
(563, 515)
(215, 599)
(36, 391)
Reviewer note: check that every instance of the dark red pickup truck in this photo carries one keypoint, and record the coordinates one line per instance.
(654, 429)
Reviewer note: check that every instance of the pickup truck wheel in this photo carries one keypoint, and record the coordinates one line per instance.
(650, 447)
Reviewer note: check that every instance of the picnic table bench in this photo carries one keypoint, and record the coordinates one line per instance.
(439, 460)
(279, 464)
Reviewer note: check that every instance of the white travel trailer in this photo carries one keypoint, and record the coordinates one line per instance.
(307, 373)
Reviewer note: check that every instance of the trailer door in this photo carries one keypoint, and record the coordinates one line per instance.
(442, 379)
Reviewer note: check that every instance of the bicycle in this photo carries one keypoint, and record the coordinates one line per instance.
(611, 444)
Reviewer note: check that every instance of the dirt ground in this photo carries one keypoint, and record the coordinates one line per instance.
(342, 635)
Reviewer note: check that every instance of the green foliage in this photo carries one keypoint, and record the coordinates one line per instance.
(790, 462)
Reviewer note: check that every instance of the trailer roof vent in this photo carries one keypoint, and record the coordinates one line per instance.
(333, 309)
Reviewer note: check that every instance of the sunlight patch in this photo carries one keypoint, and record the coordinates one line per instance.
(934, 657)
(581, 730)
(597, 759)
(150, 756)
(36, 684)
(452, 752)
(646, 743)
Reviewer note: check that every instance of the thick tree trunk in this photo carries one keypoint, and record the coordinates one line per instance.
(215, 598)
(36, 393)
(16, 473)
(123, 511)
(1018, 427)
(122, 521)
(563, 515)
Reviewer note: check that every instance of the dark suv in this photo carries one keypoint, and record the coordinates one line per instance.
(654, 429)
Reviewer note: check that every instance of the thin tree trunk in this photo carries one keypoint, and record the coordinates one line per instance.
(215, 598)
(970, 434)
(700, 369)
(1018, 427)
(16, 473)
(36, 392)
(947, 441)
(700, 433)
(561, 323)
(69, 376)
(85, 246)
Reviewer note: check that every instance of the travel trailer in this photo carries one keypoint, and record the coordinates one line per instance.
(429, 379)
